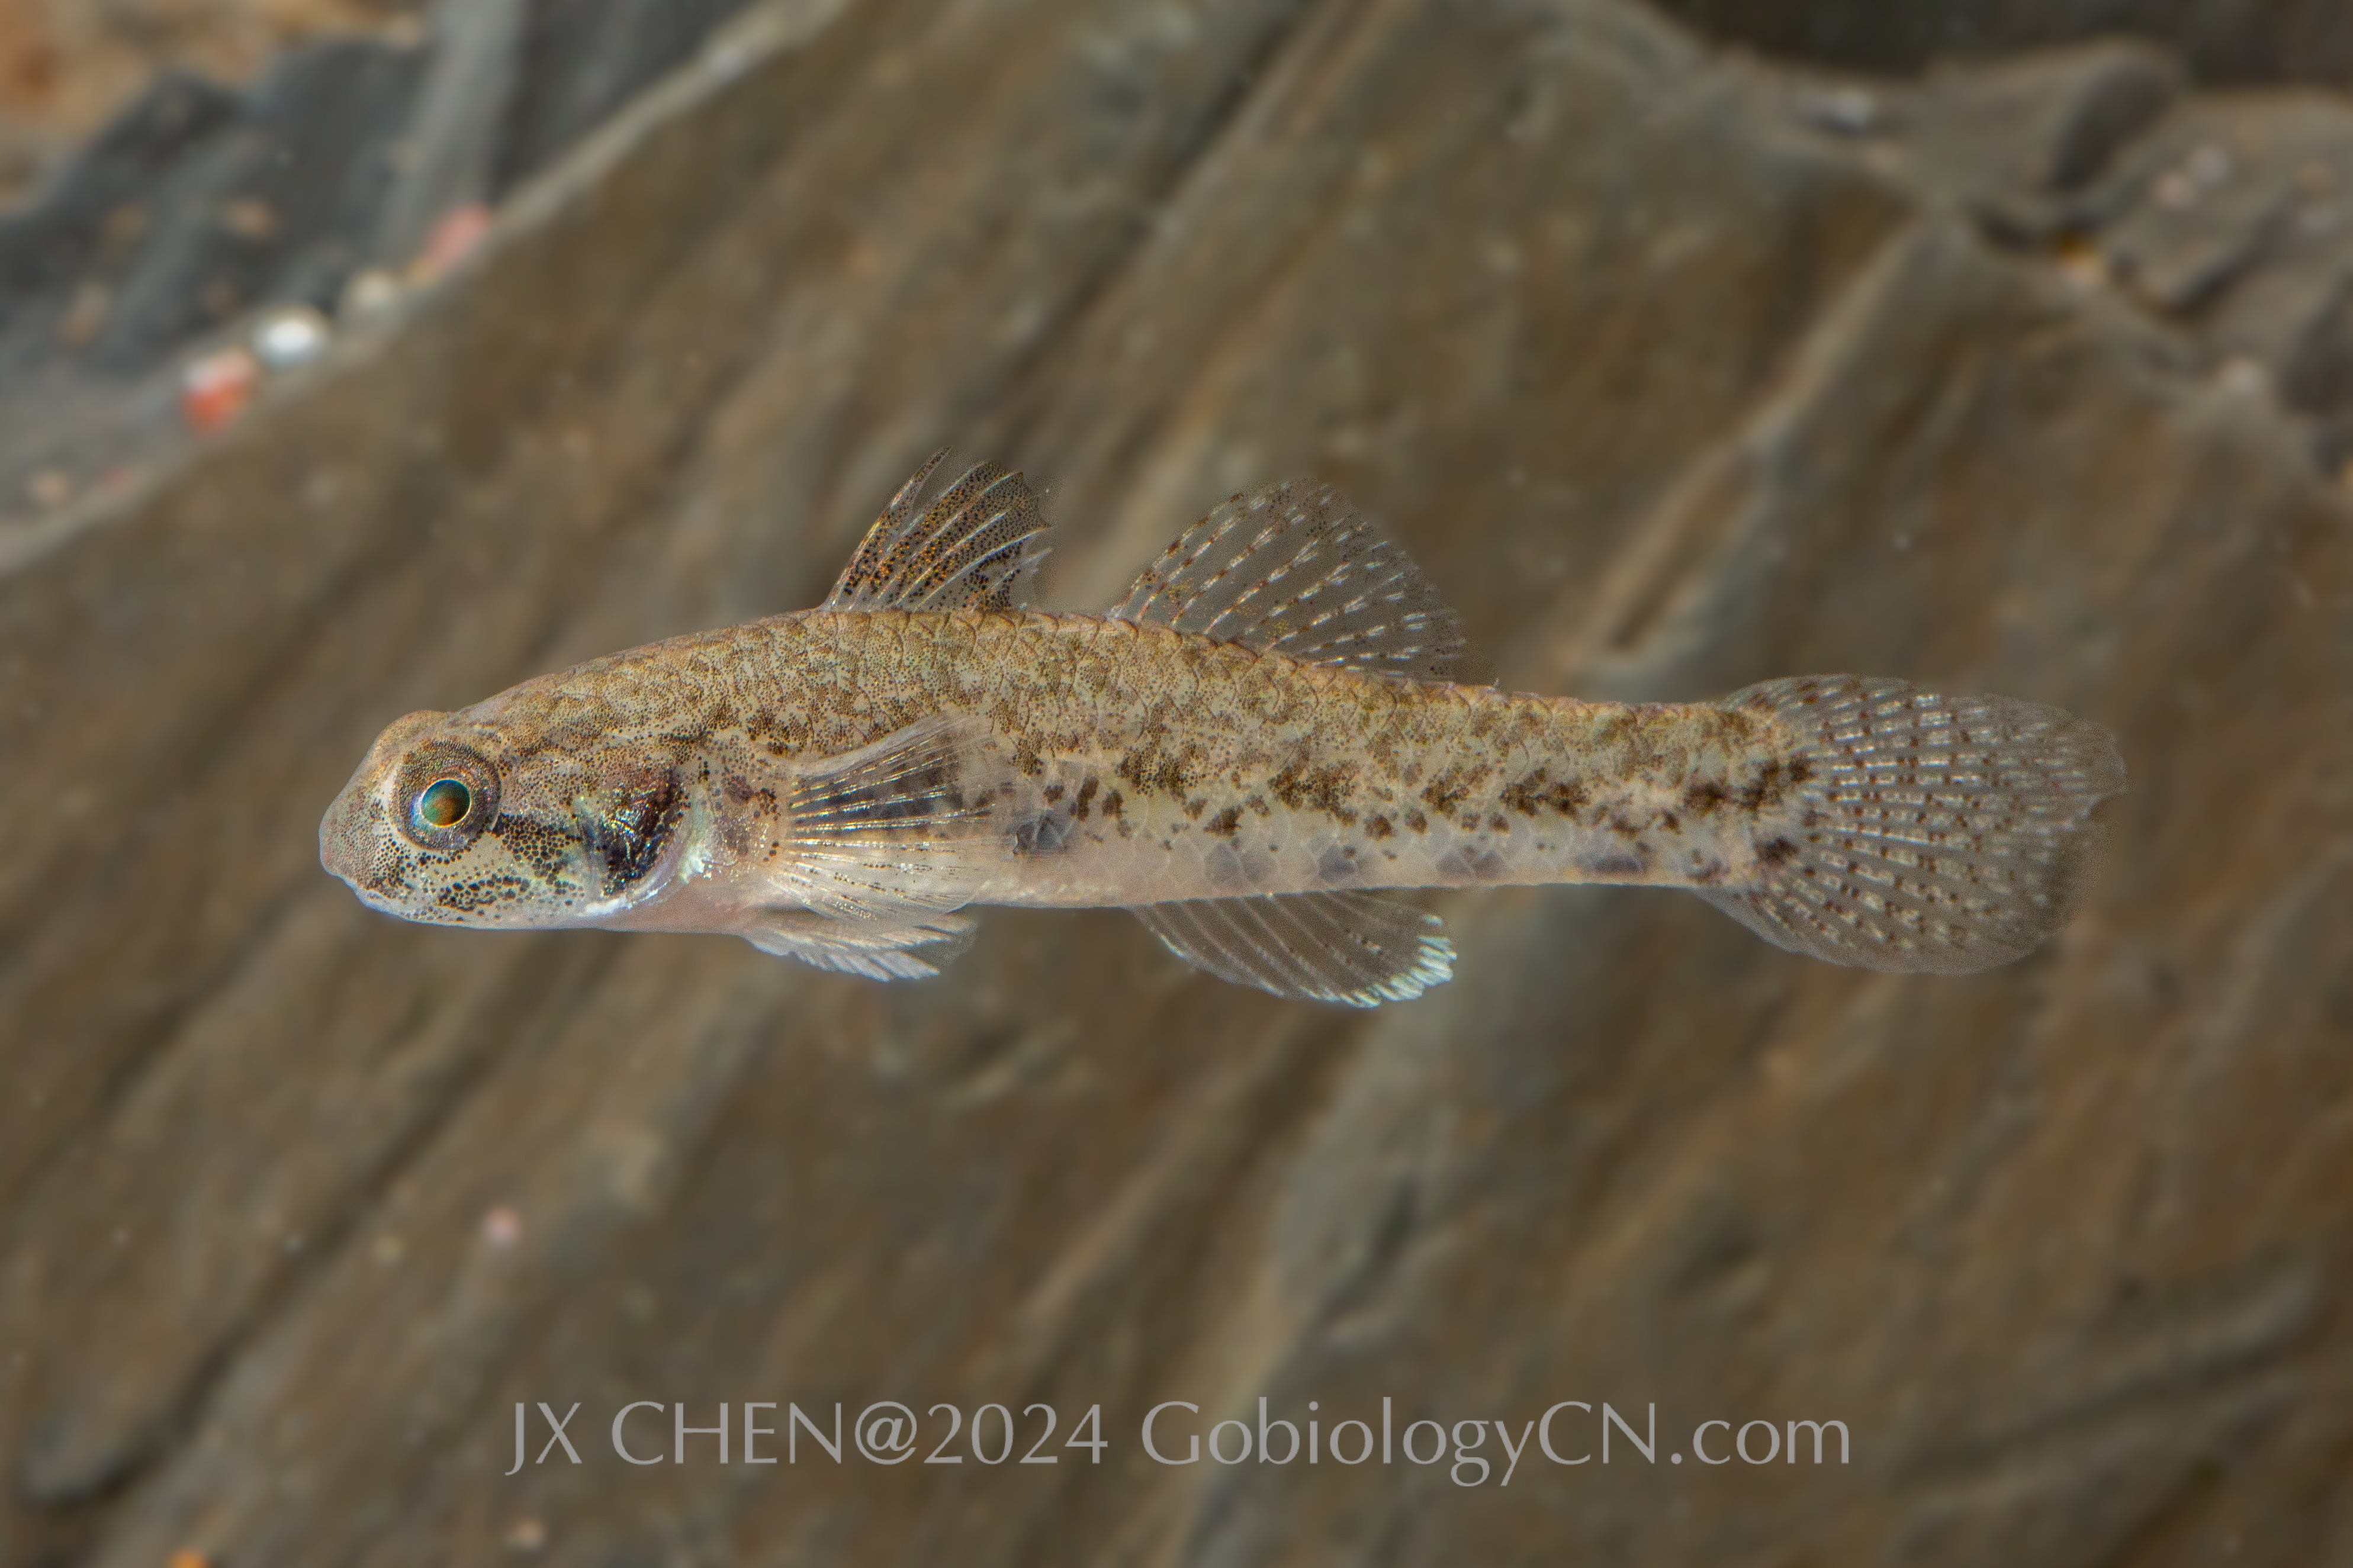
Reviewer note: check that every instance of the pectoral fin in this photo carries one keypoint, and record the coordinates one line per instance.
(1355, 949)
(879, 846)
(908, 824)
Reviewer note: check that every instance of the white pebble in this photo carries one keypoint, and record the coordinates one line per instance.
(295, 334)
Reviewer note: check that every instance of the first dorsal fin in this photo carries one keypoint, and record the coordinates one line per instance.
(977, 544)
(1290, 568)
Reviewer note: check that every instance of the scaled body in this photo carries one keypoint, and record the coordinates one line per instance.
(1257, 737)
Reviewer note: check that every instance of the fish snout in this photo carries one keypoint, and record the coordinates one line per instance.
(355, 841)
(350, 835)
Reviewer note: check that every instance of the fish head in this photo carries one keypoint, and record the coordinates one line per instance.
(464, 819)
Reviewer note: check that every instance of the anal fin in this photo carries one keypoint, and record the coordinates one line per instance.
(1355, 949)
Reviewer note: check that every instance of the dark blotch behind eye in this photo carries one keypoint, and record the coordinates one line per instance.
(632, 831)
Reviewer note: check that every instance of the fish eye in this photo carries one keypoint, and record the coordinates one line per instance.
(448, 794)
(444, 803)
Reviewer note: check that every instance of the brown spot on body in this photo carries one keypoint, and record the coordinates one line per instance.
(1053, 794)
(1539, 792)
(1152, 772)
(1777, 852)
(1771, 786)
(1112, 802)
(1226, 824)
(1445, 791)
(1195, 806)
(1079, 808)
(1325, 789)
(1417, 822)
(1377, 828)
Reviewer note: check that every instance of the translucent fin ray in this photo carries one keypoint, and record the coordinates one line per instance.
(1292, 569)
(1930, 833)
(977, 546)
(902, 825)
(912, 949)
(1355, 949)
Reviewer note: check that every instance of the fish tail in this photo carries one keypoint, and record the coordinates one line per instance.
(1922, 833)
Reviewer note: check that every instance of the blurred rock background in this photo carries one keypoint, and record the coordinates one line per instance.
(2018, 363)
(67, 66)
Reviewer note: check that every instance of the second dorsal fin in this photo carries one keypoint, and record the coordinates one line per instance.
(1290, 568)
(976, 545)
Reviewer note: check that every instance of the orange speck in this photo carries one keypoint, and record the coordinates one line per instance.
(216, 388)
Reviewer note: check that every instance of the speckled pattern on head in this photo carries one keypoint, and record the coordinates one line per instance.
(834, 784)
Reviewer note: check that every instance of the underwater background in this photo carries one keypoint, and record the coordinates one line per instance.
(2003, 347)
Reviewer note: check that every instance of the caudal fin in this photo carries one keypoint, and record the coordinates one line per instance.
(1925, 834)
